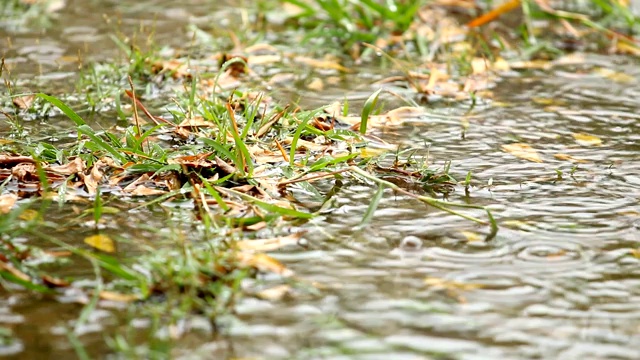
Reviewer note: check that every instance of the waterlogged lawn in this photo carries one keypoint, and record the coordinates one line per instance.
(144, 206)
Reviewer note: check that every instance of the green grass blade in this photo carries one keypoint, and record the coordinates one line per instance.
(368, 215)
(296, 136)
(64, 108)
(270, 207)
(369, 106)
(88, 131)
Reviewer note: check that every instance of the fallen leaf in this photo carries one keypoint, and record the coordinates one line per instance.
(142, 190)
(198, 161)
(615, 76)
(569, 158)
(587, 140)
(196, 122)
(522, 151)
(274, 293)
(331, 64)
(24, 102)
(101, 242)
(93, 179)
(72, 167)
(15, 272)
(29, 215)
(114, 296)
(471, 236)
(54, 282)
(6, 202)
(316, 84)
(269, 244)
(264, 263)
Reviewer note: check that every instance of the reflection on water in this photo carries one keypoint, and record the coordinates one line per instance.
(560, 281)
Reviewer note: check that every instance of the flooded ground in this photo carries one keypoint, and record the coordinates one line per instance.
(560, 280)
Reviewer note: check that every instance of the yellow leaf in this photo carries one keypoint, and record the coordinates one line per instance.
(471, 236)
(371, 152)
(274, 293)
(439, 283)
(587, 140)
(522, 151)
(331, 64)
(569, 158)
(614, 75)
(264, 262)
(101, 242)
(28, 215)
(114, 296)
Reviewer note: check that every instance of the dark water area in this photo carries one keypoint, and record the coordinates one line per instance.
(560, 281)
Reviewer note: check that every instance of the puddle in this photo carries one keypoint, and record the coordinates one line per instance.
(560, 280)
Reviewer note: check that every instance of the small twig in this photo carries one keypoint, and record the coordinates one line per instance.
(135, 111)
(282, 151)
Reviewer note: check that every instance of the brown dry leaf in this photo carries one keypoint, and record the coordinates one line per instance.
(177, 68)
(196, 122)
(330, 64)
(198, 161)
(136, 182)
(257, 226)
(238, 67)
(24, 172)
(270, 244)
(101, 242)
(15, 272)
(568, 157)
(274, 293)
(265, 59)
(479, 65)
(264, 263)
(24, 102)
(316, 84)
(73, 167)
(114, 296)
(6, 202)
(93, 179)
(303, 144)
(54, 282)
(587, 140)
(393, 117)
(142, 190)
(405, 112)
(522, 151)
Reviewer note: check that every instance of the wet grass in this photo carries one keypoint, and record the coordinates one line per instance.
(214, 140)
